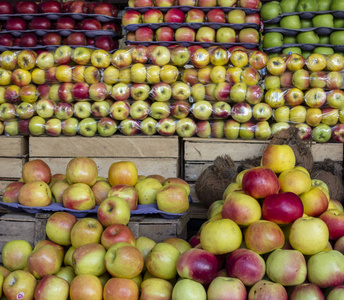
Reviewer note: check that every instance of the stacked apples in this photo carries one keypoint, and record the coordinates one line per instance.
(81, 189)
(308, 94)
(276, 235)
(25, 26)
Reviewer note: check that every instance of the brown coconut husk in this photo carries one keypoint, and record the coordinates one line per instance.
(249, 163)
(213, 181)
(301, 148)
(330, 172)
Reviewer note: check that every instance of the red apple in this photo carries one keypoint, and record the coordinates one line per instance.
(77, 7)
(90, 24)
(65, 23)
(76, 39)
(6, 40)
(260, 182)
(282, 208)
(52, 38)
(127, 192)
(117, 233)
(174, 15)
(104, 42)
(15, 23)
(50, 6)
(35, 170)
(40, 23)
(28, 39)
(25, 7)
(5, 8)
(10, 194)
(104, 8)
(334, 220)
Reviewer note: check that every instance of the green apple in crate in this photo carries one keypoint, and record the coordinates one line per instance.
(337, 38)
(338, 23)
(324, 39)
(306, 23)
(309, 37)
(270, 10)
(291, 22)
(307, 5)
(273, 39)
(289, 39)
(324, 5)
(292, 50)
(325, 20)
(323, 50)
(288, 5)
(337, 5)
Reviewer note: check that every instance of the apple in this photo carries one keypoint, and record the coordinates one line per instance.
(278, 158)
(20, 77)
(126, 192)
(174, 15)
(65, 23)
(117, 233)
(6, 8)
(306, 290)
(69, 127)
(15, 254)
(86, 285)
(226, 287)
(194, 15)
(113, 210)
(188, 289)
(15, 24)
(19, 283)
(140, 54)
(52, 39)
(50, 6)
(63, 55)
(50, 286)
(185, 34)
(86, 231)
(265, 288)
(117, 288)
(205, 34)
(78, 196)
(153, 288)
(10, 194)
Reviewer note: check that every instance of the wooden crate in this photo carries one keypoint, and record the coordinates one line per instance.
(13, 155)
(158, 228)
(22, 226)
(201, 153)
(151, 155)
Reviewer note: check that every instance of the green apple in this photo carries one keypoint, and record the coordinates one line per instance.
(288, 5)
(337, 5)
(271, 55)
(323, 50)
(324, 39)
(305, 53)
(306, 23)
(325, 20)
(338, 23)
(307, 5)
(289, 39)
(324, 5)
(321, 133)
(290, 50)
(147, 190)
(291, 22)
(337, 38)
(271, 26)
(308, 37)
(270, 10)
(273, 39)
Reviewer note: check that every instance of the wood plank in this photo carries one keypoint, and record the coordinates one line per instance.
(327, 150)
(11, 167)
(115, 146)
(13, 146)
(167, 167)
(193, 170)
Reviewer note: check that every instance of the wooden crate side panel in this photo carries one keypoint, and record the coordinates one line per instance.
(11, 167)
(116, 146)
(194, 170)
(331, 151)
(13, 146)
(167, 167)
(205, 151)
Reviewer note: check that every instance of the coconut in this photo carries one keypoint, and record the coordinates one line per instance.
(330, 172)
(249, 163)
(213, 181)
(301, 148)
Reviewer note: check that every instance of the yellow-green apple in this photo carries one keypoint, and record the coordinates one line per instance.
(20, 77)
(139, 110)
(156, 288)
(26, 59)
(45, 108)
(110, 75)
(121, 288)
(246, 265)
(36, 125)
(325, 268)
(316, 62)
(63, 55)
(180, 55)
(100, 190)
(309, 235)
(185, 34)
(113, 210)
(8, 60)
(120, 92)
(200, 58)
(241, 112)
(35, 170)
(330, 116)
(295, 181)
(101, 109)
(262, 130)
(69, 127)
(276, 65)
(203, 74)
(162, 260)
(264, 236)
(219, 56)
(147, 190)
(336, 292)
(11, 127)
(335, 62)
(335, 98)
(58, 247)
(217, 74)
(44, 261)
(186, 127)
(153, 74)
(272, 82)
(116, 233)
(121, 58)
(81, 55)
(250, 76)
(276, 127)
(92, 75)
(166, 126)
(249, 35)
(180, 91)
(225, 35)
(236, 17)
(321, 133)
(318, 79)
(172, 199)
(5, 77)
(314, 202)
(52, 287)
(100, 58)
(179, 243)
(19, 283)
(10, 194)
(78, 196)
(82, 170)
(34, 194)
(301, 79)
(127, 192)
(261, 112)
(86, 286)
(286, 267)
(160, 56)
(89, 259)
(15, 254)
(231, 129)
(145, 245)
(254, 94)
(241, 208)
(138, 73)
(4, 271)
(86, 231)
(188, 289)
(124, 261)
(264, 289)
(82, 110)
(64, 73)
(226, 287)
(295, 62)
(67, 260)
(305, 290)
(194, 15)
(229, 231)
(278, 158)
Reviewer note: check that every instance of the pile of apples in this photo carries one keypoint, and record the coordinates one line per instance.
(252, 4)
(295, 16)
(307, 92)
(275, 235)
(81, 189)
(24, 27)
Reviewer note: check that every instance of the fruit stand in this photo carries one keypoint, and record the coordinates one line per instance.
(172, 149)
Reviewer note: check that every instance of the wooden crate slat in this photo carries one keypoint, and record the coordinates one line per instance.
(193, 170)
(11, 167)
(167, 167)
(15, 146)
(331, 151)
(116, 146)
